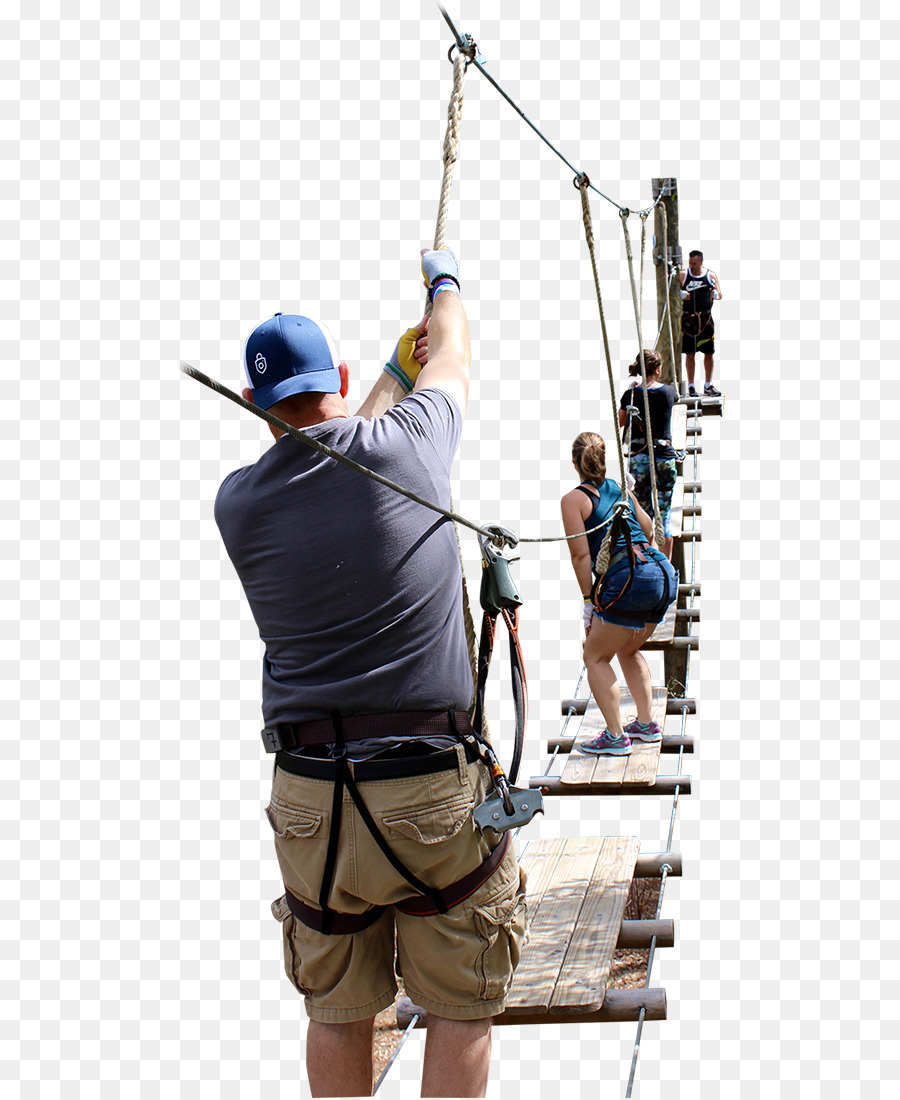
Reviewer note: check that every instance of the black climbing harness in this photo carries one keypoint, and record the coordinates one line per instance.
(508, 808)
(619, 529)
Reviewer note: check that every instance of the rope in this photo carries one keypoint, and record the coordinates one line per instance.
(672, 275)
(316, 445)
(658, 526)
(451, 144)
(582, 183)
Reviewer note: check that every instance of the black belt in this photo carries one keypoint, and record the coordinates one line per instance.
(380, 768)
(356, 727)
(344, 924)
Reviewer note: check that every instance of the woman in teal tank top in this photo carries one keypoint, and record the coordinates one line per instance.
(625, 615)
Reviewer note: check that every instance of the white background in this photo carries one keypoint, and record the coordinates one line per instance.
(173, 175)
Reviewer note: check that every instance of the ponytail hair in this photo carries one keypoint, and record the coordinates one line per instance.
(589, 456)
(652, 363)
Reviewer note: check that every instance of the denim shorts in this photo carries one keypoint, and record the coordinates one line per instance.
(654, 587)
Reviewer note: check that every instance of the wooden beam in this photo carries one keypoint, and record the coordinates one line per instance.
(687, 614)
(637, 934)
(667, 249)
(673, 706)
(687, 589)
(619, 1006)
(690, 534)
(693, 486)
(651, 864)
(664, 785)
(684, 641)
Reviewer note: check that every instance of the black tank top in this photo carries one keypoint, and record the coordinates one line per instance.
(700, 288)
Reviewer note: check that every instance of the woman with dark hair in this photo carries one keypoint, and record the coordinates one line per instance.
(661, 398)
(621, 617)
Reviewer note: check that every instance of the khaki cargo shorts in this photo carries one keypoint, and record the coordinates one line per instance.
(458, 964)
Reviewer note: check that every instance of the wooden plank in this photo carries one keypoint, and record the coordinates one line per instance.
(552, 927)
(640, 767)
(671, 744)
(664, 785)
(581, 986)
(539, 861)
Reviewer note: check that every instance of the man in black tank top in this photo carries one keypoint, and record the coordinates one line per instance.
(699, 288)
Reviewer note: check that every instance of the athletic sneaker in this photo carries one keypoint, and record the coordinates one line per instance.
(709, 390)
(691, 391)
(637, 731)
(608, 745)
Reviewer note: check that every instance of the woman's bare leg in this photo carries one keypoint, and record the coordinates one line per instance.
(603, 642)
(637, 673)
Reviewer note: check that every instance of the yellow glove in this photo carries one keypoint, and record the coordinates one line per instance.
(403, 366)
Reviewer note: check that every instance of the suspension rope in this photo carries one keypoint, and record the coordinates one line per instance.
(451, 145)
(665, 315)
(582, 183)
(658, 526)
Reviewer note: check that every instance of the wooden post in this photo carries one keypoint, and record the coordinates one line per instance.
(665, 244)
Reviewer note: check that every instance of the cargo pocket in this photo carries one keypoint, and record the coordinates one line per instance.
(288, 821)
(501, 924)
(429, 824)
(282, 913)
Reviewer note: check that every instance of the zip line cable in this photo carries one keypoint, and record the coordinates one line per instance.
(466, 44)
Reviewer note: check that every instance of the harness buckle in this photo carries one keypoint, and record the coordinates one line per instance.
(494, 814)
(271, 739)
(498, 590)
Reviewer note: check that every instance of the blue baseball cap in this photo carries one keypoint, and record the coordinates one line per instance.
(290, 354)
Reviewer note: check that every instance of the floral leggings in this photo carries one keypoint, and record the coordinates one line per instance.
(665, 483)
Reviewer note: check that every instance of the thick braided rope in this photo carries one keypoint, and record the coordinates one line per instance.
(581, 182)
(451, 144)
(658, 527)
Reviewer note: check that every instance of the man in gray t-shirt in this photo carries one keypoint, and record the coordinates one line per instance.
(357, 593)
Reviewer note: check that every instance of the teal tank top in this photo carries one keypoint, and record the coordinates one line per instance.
(610, 494)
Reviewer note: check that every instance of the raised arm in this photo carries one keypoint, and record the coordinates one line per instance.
(436, 351)
(449, 351)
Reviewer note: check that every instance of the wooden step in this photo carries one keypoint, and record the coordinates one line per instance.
(673, 706)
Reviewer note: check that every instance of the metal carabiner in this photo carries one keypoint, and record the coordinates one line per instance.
(498, 591)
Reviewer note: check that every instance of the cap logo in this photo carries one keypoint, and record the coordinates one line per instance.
(260, 362)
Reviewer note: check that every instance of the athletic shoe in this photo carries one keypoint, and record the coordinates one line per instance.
(608, 745)
(709, 390)
(637, 731)
(691, 391)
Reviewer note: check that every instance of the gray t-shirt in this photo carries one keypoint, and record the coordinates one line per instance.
(356, 590)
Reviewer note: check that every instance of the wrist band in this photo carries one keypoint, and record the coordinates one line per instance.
(444, 286)
(399, 375)
(436, 283)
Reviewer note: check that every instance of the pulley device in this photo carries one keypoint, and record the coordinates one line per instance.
(509, 807)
